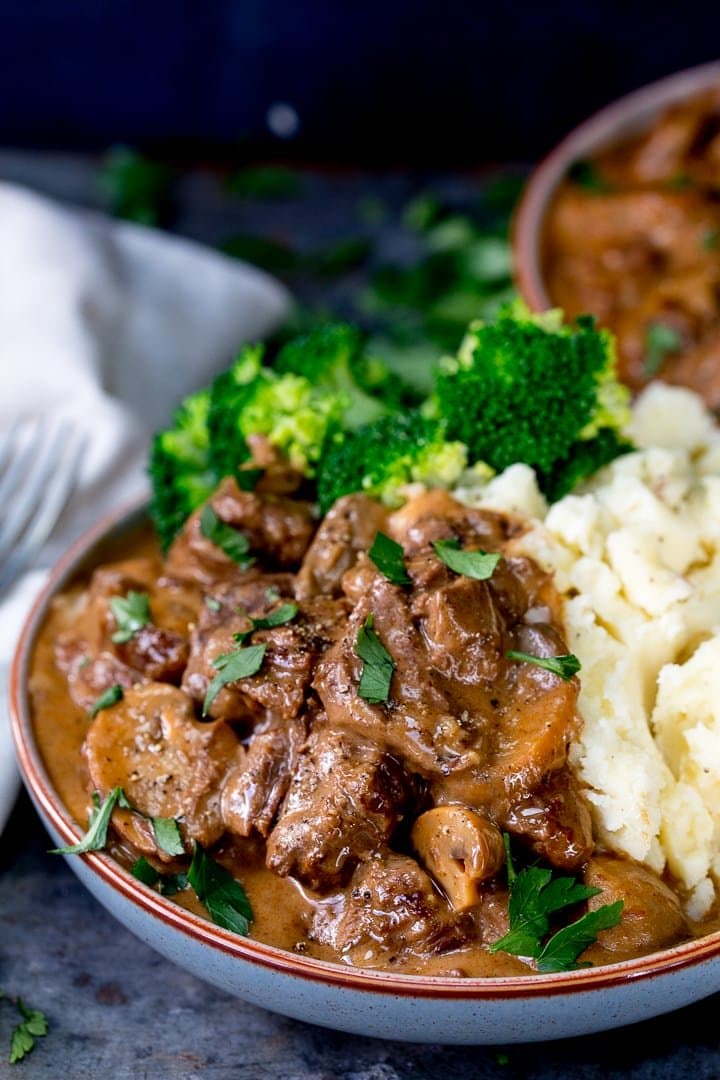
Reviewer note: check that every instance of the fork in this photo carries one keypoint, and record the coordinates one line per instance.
(38, 466)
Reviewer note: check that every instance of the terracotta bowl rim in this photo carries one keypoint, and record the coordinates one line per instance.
(594, 133)
(680, 957)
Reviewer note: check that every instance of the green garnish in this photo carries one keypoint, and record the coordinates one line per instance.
(585, 175)
(711, 239)
(234, 543)
(660, 341)
(238, 664)
(680, 182)
(109, 697)
(264, 182)
(535, 895)
(136, 187)
(378, 665)
(222, 895)
(248, 479)
(32, 1026)
(565, 666)
(167, 835)
(131, 613)
(96, 836)
(212, 603)
(284, 614)
(479, 565)
(167, 884)
(389, 559)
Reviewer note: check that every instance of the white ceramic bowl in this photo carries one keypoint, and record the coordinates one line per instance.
(444, 1010)
(630, 115)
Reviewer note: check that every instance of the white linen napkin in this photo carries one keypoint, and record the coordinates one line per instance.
(108, 325)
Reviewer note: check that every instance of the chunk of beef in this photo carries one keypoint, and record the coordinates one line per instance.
(280, 687)
(652, 917)
(278, 477)
(554, 820)
(348, 528)
(391, 911)
(169, 765)
(88, 676)
(257, 784)
(278, 531)
(345, 801)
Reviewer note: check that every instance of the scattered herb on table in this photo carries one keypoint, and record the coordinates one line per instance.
(378, 665)
(32, 1026)
(389, 558)
(96, 836)
(535, 895)
(131, 613)
(479, 565)
(231, 666)
(264, 182)
(108, 698)
(222, 895)
(136, 187)
(565, 666)
(232, 542)
(660, 341)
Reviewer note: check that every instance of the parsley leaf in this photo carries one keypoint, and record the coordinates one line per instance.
(109, 697)
(248, 479)
(234, 543)
(33, 1026)
(131, 613)
(389, 559)
(167, 835)
(535, 895)
(222, 895)
(565, 666)
(585, 175)
(284, 614)
(479, 565)
(96, 836)
(660, 341)
(232, 666)
(562, 950)
(711, 239)
(378, 665)
(167, 884)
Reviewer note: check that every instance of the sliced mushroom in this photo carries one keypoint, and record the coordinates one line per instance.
(461, 849)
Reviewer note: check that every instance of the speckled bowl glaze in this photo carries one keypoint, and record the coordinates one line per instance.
(443, 1010)
(628, 116)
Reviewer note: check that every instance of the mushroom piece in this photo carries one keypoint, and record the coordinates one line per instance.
(461, 849)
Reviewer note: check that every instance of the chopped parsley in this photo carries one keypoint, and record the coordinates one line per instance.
(585, 175)
(660, 341)
(231, 666)
(167, 835)
(109, 697)
(248, 479)
(222, 895)
(212, 603)
(565, 666)
(389, 559)
(32, 1026)
(96, 836)
(535, 895)
(378, 665)
(479, 565)
(282, 615)
(131, 613)
(232, 542)
(167, 884)
(711, 239)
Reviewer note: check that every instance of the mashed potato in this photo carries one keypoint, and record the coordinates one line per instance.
(636, 555)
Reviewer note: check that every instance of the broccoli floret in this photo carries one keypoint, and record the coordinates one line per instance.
(380, 458)
(331, 357)
(250, 399)
(180, 471)
(527, 388)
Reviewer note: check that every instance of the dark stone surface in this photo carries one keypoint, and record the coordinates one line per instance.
(116, 1009)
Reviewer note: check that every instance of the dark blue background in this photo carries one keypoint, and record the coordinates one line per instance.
(442, 82)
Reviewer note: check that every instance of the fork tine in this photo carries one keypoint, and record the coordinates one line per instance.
(22, 454)
(29, 483)
(58, 491)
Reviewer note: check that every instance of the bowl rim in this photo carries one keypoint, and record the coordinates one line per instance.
(597, 131)
(83, 551)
